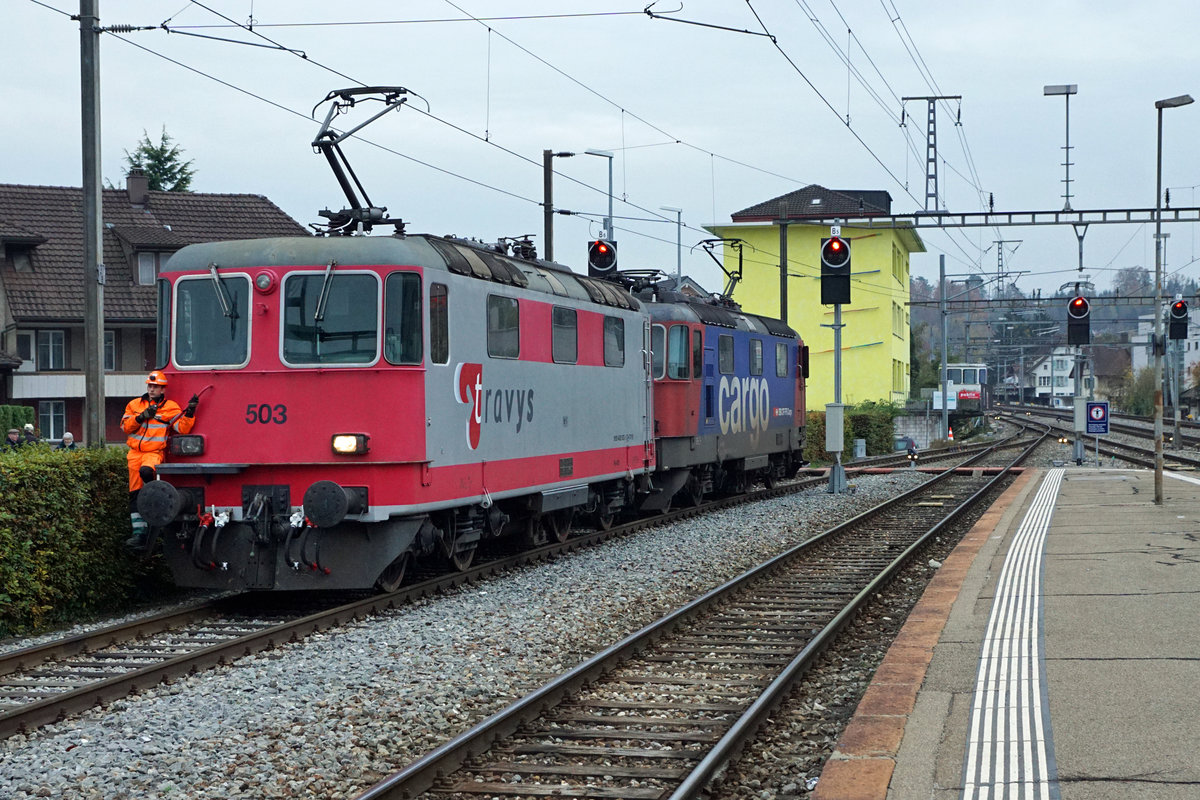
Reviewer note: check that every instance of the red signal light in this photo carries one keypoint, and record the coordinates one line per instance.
(835, 245)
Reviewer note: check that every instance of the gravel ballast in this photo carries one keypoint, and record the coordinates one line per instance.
(332, 714)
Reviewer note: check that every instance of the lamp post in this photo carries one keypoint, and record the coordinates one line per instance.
(1066, 90)
(678, 242)
(548, 157)
(608, 221)
(1159, 339)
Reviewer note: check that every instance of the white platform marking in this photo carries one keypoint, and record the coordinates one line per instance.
(1009, 754)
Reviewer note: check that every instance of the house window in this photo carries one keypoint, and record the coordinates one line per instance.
(51, 350)
(148, 265)
(110, 351)
(52, 418)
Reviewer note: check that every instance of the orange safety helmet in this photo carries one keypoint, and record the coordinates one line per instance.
(157, 378)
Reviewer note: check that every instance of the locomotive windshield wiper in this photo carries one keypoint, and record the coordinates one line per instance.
(222, 291)
(323, 298)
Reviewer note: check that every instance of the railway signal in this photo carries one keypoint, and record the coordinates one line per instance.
(835, 271)
(1178, 328)
(1079, 312)
(602, 257)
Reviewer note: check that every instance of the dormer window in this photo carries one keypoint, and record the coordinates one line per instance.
(148, 264)
(816, 201)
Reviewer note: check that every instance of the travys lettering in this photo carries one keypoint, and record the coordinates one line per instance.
(508, 406)
(743, 405)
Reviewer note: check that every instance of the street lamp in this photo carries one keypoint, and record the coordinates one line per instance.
(678, 243)
(608, 221)
(1066, 90)
(1159, 340)
(548, 200)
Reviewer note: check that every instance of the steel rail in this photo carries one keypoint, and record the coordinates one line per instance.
(422, 774)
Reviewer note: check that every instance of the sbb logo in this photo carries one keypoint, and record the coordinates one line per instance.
(469, 380)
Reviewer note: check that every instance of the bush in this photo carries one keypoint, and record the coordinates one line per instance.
(64, 517)
(15, 417)
(873, 422)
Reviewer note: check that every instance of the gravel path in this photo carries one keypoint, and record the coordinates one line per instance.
(330, 715)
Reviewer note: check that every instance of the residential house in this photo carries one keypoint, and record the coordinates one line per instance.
(875, 333)
(1102, 376)
(42, 284)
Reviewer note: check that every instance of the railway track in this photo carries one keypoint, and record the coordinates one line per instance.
(1129, 453)
(659, 713)
(46, 683)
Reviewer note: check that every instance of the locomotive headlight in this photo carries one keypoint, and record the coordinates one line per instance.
(189, 445)
(350, 443)
(264, 282)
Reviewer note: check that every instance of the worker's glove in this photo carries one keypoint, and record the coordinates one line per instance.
(147, 415)
(190, 411)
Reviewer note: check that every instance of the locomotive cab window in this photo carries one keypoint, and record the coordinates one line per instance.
(697, 353)
(564, 335)
(504, 327)
(781, 360)
(330, 317)
(725, 354)
(212, 321)
(614, 342)
(439, 324)
(402, 318)
(756, 357)
(678, 353)
(658, 352)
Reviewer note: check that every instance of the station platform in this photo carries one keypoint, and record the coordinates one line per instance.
(1056, 654)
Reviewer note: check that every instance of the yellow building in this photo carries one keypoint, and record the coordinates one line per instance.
(875, 333)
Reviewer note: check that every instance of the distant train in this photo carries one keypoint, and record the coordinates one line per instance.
(970, 385)
(377, 400)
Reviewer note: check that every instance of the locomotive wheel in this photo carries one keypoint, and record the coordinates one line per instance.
(463, 555)
(605, 519)
(557, 524)
(769, 480)
(391, 578)
(693, 491)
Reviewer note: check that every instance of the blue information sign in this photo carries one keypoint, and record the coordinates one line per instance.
(1097, 419)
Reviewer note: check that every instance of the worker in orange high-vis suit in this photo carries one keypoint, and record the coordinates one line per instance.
(148, 420)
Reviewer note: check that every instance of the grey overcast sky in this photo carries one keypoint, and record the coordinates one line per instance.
(704, 119)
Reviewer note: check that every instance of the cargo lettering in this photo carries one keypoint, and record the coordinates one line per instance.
(743, 405)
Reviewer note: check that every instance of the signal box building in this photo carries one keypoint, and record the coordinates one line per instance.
(875, 336)
(42, 350)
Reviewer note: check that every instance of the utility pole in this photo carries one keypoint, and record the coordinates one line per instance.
(931, 179)
(945, 336)
(548, 205)
(93, 269)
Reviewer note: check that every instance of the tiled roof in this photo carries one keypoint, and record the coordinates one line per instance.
(817, 201)
(54, 288)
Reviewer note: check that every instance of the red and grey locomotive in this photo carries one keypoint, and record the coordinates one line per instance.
(374, 400)
(380, 399)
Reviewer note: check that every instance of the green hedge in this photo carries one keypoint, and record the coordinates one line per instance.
(873, 422)
(64, 516)
(15, 417)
